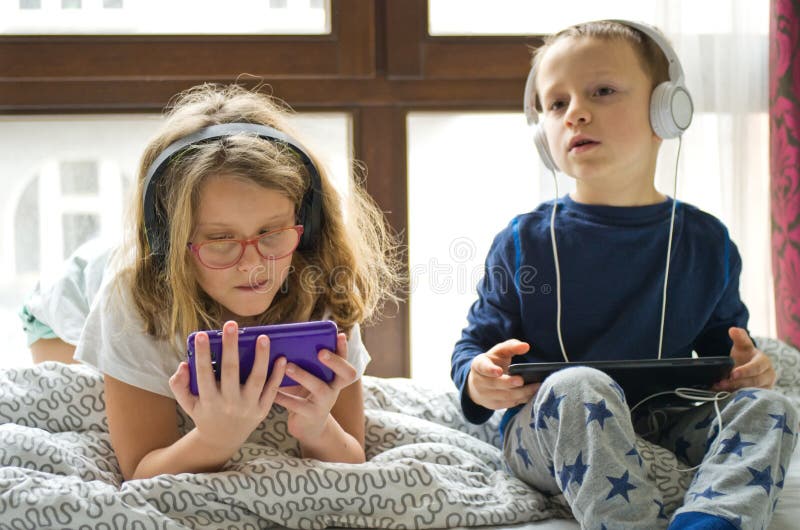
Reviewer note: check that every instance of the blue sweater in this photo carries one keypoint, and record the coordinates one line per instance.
(612, 262)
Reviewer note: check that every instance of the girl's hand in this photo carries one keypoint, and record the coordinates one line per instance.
(488, 383)
(751, 368)
(310, 415)
(225, 413)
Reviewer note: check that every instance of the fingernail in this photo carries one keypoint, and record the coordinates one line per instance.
(289, 369)
(325, 356)
(262, 341)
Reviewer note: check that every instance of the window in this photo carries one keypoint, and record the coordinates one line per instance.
(156, 17)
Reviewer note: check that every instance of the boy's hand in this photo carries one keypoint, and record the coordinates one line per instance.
(488, 383)
(751, 367)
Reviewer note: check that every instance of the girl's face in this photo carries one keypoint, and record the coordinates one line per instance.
(232, 208)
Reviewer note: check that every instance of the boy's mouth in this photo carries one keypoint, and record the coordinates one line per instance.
(581, 143)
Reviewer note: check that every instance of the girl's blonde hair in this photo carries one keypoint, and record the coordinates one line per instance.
(348, 275)
(650, 55)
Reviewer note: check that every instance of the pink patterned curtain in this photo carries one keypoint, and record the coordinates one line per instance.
(784, 131)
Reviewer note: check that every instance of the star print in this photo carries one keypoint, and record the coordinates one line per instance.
(523, 454)
(661, 514)
(599, 412)
(620, 486)
(634, 452)
(618, 388)
(734, 445)
(783, 477)
(549, 409)
(552, 470)
(711, 438)
(577, 471)
(709, 493)
(705, 423)
(745, 393)
(564, 475)
(761, 478)
(780, 423)
(681, 445)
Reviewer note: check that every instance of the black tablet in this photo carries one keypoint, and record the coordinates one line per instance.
(642, 378)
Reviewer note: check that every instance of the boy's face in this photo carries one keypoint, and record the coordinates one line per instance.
(596, 101)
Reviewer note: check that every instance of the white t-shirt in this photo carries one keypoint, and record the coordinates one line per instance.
(115, 341)
(62, 303)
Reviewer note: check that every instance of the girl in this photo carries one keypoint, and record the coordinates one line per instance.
(235, 225)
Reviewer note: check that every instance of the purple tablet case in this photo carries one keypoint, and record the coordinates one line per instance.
(300, 343)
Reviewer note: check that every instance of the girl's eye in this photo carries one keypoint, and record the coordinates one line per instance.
(555, 105)
(220, 237)
(605, 91)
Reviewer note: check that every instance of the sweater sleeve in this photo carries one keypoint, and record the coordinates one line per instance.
(493, 318)
(729, 311)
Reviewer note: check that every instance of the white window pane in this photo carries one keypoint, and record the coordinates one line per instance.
(524, 17)
(66, 180)
(468, 176)
(159, 17)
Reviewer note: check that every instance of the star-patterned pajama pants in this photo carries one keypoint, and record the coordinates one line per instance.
(577, 437)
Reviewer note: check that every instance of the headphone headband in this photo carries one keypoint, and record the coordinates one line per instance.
(310, 212)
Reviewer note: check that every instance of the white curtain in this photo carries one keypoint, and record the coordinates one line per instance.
(724, 162)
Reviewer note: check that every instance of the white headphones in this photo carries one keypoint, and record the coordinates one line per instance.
(671, 105)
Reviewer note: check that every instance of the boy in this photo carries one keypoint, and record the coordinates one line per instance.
(574, 433)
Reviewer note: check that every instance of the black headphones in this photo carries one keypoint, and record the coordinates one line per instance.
(309, 213)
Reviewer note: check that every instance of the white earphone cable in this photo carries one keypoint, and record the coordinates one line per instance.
(558, 268)
(694, 395)
(669, 247)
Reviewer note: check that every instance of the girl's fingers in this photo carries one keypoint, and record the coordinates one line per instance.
(341, 345)
(229, 377)
(296, 404)
(307, 380)
(258, 375)
(270, 390)
(206, 385)
(345, 373)
(179, 384)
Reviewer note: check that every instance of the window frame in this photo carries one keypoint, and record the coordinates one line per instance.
(378, 63)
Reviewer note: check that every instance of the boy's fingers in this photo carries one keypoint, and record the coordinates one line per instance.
(482, 365)
(509, 348)
(740, 338)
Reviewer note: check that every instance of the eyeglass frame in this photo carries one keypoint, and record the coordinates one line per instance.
(244, 243)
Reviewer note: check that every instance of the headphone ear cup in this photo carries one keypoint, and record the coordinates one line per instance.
(670, 110)
(540, 140)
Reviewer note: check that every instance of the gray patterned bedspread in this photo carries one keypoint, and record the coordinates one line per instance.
(426, 467)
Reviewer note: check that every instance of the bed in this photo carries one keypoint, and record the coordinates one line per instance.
(426, 467)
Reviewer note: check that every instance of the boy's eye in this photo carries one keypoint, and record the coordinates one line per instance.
(555, 105)
(605, 91)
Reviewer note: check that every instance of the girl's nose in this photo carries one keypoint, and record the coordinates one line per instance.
(251, 258)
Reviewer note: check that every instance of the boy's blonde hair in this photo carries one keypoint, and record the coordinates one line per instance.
(651, 57)
(349, 273)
